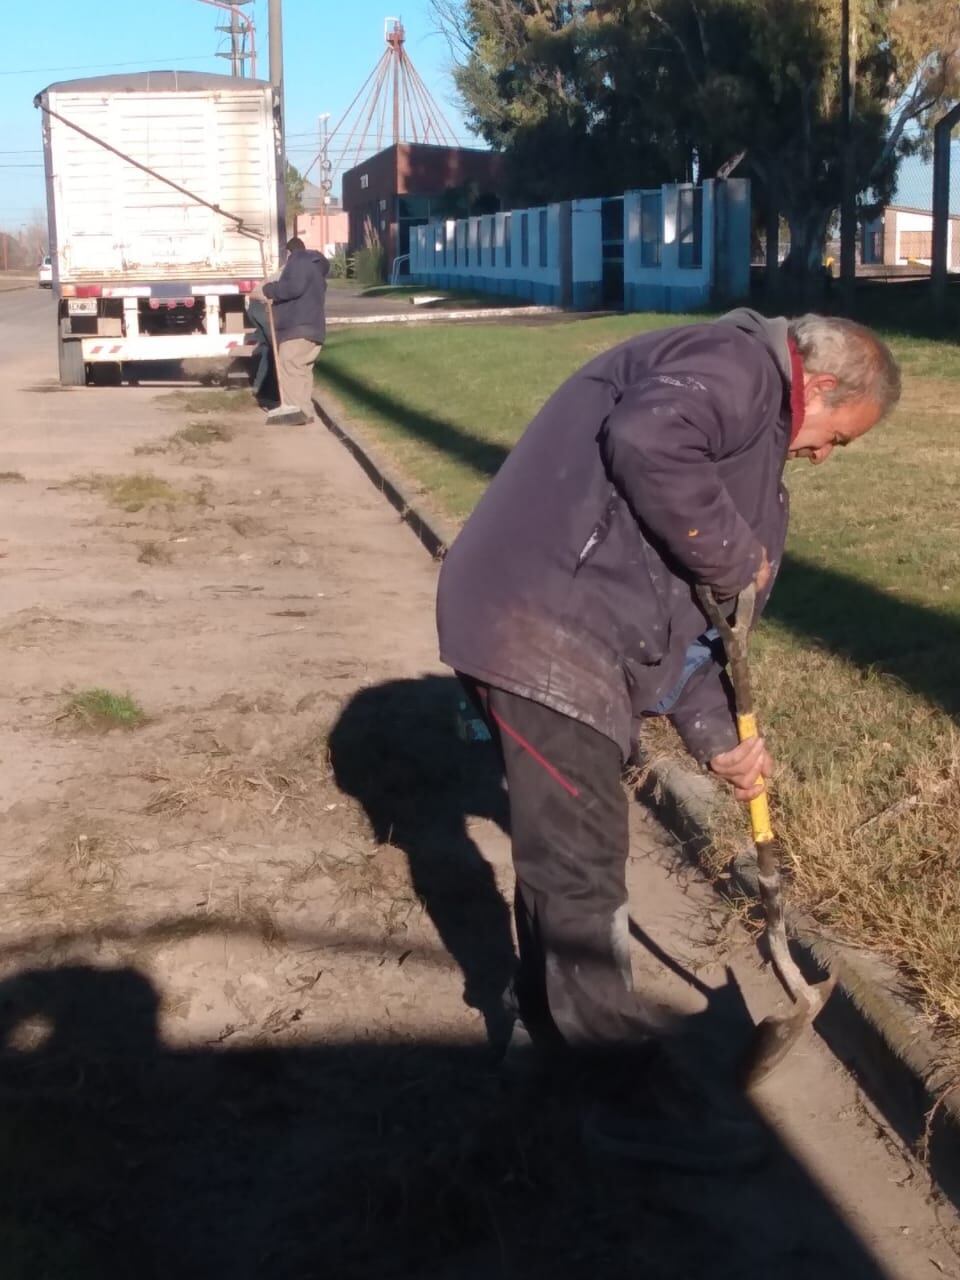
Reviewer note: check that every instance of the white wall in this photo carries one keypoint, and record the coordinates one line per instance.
(906, 221)
(432, 253)
(668, 286)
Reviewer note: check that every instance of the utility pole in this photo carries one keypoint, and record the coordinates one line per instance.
(848, 190)
(275, 36)
(236, 61)
(239, 29)
(941, 204)
(325, 183)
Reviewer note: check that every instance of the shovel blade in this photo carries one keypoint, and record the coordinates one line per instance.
(773, 1038)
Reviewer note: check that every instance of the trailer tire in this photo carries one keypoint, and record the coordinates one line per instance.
(73, 372)
(106, 374)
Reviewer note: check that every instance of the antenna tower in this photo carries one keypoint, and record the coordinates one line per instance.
(392, 105)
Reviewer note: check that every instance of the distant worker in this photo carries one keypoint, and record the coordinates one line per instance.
(299, 315)
(567, 606)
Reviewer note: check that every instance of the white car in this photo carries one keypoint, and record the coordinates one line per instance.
(45, 274)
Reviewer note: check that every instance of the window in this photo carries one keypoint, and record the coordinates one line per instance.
(542, 235)
(524, 240)
(651, 223)
(507, 244)
(364, 181)
(690, 226)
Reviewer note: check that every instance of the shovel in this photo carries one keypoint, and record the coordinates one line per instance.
(774, 1037)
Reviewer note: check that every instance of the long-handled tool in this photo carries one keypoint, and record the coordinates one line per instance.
(284, 414)
(774, 1037)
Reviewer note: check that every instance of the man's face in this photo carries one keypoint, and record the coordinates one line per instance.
(828, 426)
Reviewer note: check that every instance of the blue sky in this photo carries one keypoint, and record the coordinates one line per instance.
(330, 48)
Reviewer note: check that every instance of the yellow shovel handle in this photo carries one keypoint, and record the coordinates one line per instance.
(759, 809)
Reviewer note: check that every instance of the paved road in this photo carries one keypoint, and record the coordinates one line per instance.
(840, 1202)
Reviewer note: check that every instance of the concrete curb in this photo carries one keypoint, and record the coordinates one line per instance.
(434, 533)
(425, 317)
(869, 1024)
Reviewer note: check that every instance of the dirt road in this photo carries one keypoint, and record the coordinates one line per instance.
(250, 950)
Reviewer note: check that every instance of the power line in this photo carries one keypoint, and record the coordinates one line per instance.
(93, 66)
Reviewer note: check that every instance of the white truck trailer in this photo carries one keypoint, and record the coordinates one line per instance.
(165, 207)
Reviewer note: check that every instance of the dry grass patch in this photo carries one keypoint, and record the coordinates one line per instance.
(133, 492)
(194, 434)
(100, 710)
(12, 477)
(247, 526)
(86, 853)
(291, 789)
(203, 433)
(153, 553)
(210, 400)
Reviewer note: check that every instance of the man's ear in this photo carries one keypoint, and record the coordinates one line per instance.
(822, 383)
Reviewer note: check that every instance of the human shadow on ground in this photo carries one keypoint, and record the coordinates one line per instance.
(121, 1157)
(395, 749)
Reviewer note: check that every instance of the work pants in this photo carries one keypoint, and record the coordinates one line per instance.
(570, 838)
(297, 356)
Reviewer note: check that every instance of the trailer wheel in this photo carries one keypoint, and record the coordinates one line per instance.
(107, 374)
(73, 372)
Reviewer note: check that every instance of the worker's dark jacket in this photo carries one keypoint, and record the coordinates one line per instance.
(658, 465)
(300, 296)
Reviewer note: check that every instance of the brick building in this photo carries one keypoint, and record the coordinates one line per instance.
(404, 186)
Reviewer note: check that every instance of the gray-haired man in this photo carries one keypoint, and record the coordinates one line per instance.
(567, 605)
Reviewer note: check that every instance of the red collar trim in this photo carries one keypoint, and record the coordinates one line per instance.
(797, 398)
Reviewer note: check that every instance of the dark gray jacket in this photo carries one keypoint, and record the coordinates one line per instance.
(656, 466)
(299, 297)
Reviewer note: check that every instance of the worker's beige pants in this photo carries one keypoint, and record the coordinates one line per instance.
(296, 372)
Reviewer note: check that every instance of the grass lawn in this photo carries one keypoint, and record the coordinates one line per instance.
(858, 658)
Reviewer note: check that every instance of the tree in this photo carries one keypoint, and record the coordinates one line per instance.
(294, 182)
(765, 75)
(594, 96)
